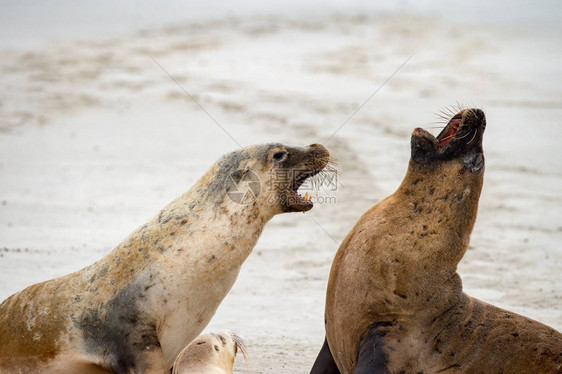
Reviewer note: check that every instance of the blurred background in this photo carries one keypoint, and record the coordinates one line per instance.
(30, 23)
(99, 130)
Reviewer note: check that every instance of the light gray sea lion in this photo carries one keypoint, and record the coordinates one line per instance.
(210, 354)
(395, 302)
(138, 307)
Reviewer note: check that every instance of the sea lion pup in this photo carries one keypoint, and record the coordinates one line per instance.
(394, 301)
(138, 307)
(210, 354)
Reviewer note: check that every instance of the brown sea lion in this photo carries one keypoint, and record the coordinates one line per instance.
(395, 302)
(138, 307)
(210, 354)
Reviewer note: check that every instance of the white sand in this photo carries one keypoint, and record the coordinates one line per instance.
(96, 138)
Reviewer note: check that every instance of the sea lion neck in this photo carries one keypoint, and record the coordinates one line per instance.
(443, 197)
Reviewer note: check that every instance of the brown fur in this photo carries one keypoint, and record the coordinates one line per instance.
(395, 276)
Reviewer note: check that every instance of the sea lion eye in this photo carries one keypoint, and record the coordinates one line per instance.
(278, 156)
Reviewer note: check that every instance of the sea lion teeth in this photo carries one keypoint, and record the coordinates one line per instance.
(394, 302)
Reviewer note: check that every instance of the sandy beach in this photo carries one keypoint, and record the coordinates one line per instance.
(98, 133)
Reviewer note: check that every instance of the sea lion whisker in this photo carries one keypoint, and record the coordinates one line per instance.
(323, 183)
(243, 348)
(474, 136)
(330, 168)
(461, 137)
(461, 107)
(443, 120)
(442, 115)
(445, 113)
(450, 110)
(448, 137)
(332, 163)
(331, 174)
(316, 183)
(440, 122)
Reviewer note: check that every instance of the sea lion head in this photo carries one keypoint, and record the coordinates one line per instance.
(269, 175)
(452, 160)
(460, 142)
(210, 351)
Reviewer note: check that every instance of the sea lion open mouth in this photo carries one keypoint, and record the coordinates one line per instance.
(296, 165)
(465, 128)
(304, 201)
(462, 135)
(450, 130)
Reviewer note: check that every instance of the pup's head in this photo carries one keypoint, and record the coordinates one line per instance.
(208, 351)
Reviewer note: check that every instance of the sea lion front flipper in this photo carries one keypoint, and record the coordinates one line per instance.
(372, 357)
(325, 363)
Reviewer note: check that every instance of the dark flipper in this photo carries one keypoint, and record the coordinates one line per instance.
(325, 363)
(372, 358)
